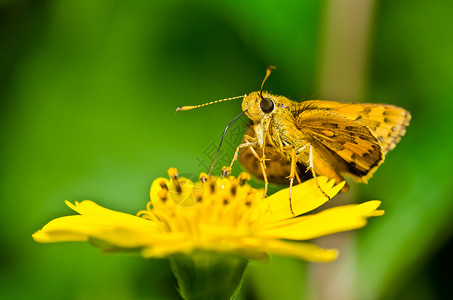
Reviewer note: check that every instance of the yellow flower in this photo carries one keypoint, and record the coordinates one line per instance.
(215, 214)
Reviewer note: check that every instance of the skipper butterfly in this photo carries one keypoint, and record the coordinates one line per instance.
(333, 139)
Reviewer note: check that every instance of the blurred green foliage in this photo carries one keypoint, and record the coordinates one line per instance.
(88, 92)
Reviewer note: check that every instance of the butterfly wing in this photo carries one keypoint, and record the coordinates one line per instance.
(340, 145)
(388, 122)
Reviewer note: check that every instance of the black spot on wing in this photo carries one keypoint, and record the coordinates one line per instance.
(375, 147)
(354, 170)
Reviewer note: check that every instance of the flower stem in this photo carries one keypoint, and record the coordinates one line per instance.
(208, 275)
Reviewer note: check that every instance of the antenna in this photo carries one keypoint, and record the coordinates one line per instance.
(268, 72)
(212, 102)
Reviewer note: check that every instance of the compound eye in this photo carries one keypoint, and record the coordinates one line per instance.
(267, 105)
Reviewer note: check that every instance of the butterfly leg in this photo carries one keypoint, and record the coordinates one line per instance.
(297, 177)
(291, 177)
(246, 144)
(311, 166)
(263, 169)
(263, 158)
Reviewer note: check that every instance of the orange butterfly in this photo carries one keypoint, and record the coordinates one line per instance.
(329, 138)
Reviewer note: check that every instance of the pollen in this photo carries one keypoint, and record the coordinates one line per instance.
(211, 207)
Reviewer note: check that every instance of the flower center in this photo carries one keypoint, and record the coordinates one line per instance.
(211, 207)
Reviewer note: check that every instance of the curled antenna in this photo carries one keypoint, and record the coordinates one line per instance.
(221, 141)
(268, 72)
(212, 102)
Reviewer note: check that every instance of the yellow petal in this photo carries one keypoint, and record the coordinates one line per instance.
(167, 248)
(299, 250)
(119, 229)
(89, 208)
(304, 198)
(337, 219)
(55, 231)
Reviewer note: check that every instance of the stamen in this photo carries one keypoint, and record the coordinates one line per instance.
(249, 197)
(177, 185)
(162, 194)
(173, 173)
(225, 171)
(197, 192)
(212, 184)
(243, 177)
(199, 197)
(203, 177)
(233, 189)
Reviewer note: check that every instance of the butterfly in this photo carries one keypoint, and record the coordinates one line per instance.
(333, 139)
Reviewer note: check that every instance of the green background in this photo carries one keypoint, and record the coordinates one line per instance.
(88, 92)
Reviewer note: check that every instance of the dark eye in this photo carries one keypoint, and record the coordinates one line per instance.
(267, 105)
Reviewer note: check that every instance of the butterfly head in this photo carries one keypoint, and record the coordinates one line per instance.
(257, 105)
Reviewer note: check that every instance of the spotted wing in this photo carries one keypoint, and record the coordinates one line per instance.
(388, 122)
(340, 145)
